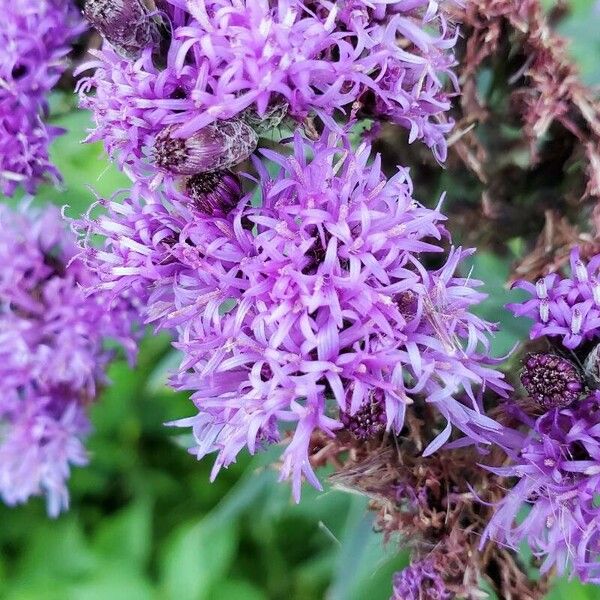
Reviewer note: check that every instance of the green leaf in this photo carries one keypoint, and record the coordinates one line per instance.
(126, 536)
(116, 583)
(58, 550)
(362, 558)
(197, 556)
(237, 590)
(573, 590)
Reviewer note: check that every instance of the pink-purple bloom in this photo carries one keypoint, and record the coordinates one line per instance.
(254, 60)
(34, 41)
(304, 302)
(52, 354)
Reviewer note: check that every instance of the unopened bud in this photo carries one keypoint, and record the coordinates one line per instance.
(551, 381)
(272, 118)
(214, 193)
(220, 145)
(125, 24)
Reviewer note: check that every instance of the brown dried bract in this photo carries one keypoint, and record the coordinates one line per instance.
(546, 88)
(553, 248)
(438, 506)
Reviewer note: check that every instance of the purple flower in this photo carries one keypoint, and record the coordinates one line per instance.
(52, 357)
(420, 581)
(557, 467)
(256, 61)
(305, 303)
(35, 39)
(564, 307)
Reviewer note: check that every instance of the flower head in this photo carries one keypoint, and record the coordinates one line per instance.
(257, 61)
(52, 358)
(34, 39)
(306, 303)
(369, 420)
(551, 381)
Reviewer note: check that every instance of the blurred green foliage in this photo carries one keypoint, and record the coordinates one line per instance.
(147, 524)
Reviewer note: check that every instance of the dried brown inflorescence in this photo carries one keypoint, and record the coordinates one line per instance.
(531, 135)
(437, 506)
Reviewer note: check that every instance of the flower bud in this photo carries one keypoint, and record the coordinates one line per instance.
(214, 193)
(369, 420)
(220, 145)
(591, 368)
(551, 381)
(125, 24)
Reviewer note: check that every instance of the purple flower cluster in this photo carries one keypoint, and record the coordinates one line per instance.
(420, 581)
(34, 40)
(304, 304)
(555, 456)
(564, 307)
(52, 357)
(174, 72)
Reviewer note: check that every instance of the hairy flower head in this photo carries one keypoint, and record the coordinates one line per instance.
(305, 303)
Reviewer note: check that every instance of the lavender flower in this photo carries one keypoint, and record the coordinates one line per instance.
(420, 581)
(309, 306)
(564, 307)
(34, 39)
(52, 359)
(254, 60)
(555, 457)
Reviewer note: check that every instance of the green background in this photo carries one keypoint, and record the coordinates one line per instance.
(146, 523)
